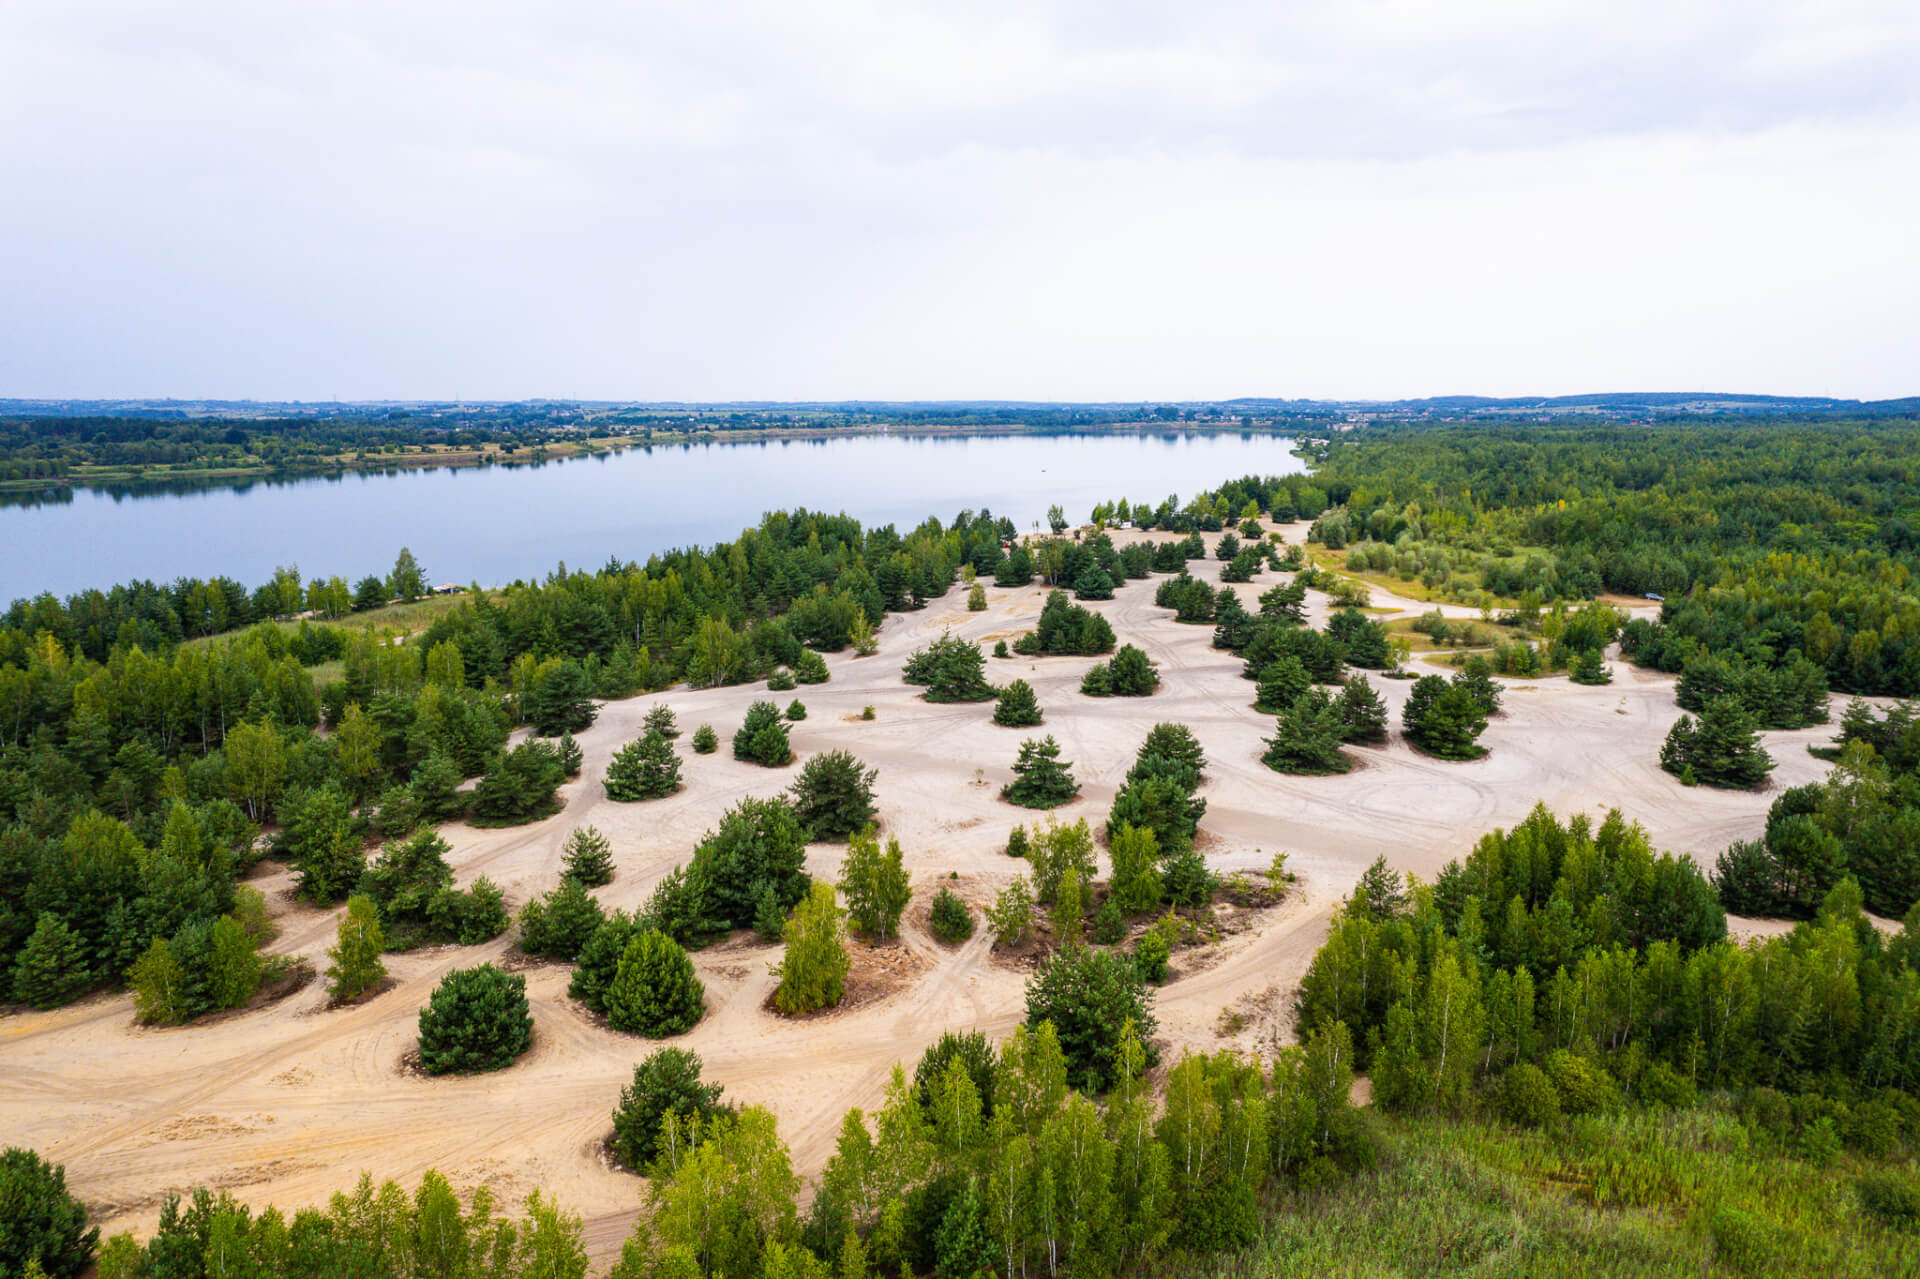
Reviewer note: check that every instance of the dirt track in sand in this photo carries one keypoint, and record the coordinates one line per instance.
(291, 1103)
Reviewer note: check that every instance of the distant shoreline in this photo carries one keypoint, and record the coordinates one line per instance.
(431, 458)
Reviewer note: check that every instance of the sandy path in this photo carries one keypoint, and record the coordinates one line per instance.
(288, 1104)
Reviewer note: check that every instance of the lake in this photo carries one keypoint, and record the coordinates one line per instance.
(495, 524)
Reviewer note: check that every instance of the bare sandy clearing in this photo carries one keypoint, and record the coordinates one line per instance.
(286, 1104)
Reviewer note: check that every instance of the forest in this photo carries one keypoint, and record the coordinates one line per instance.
(1769, 541)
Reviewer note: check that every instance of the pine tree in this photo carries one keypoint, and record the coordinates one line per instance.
(51, 968)
(1098, 681)
(810, 668)
(559, 699)
(43, 1227)
(588, 858)
(762, 738)
(1095, 583)
(560, 924)
(666, 1083)
(1281, 684)
(646, 769)
(357, 967)
(654, 992)
(977, 598)
(476, 1020)
(1090, 996)
(1363, 715)
(833, 796)
(1017, 707)
(1307, 737)
(1444, 719)
(951, 670)
(814, 972)
(1131, 674)
(1476, 679)
(1233, 625)
(874, 884)
(948, 918)
(705, 740)
(1721, 748)
(661, 720)
(1041, 779)
(1174, 742)
(1589, 667)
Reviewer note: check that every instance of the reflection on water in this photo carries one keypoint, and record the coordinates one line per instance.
(518, 519)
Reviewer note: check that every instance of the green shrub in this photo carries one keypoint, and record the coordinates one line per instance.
(51, 968)
(949, 917)
(357, 967)
(654, 992)
(1090, 995)
(588, 857)
(1041, 779)
(875, 885)
(40, 1220)
(762, 738)
(666, 1083)
(1011, 915)
(1017, 707)
(1151, 954)
(796, 710)
(974, 1051)
(476, 1020)
(1583, 1087)
(833, 795)
(814, 972)
(1890, 1199)
(705, 740)
(951, 670)
(1527, 1096)
(644, 769)
(560, 924)
(519, 786)
(570, 755)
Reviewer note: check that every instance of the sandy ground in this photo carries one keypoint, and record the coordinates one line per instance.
(288, 1104)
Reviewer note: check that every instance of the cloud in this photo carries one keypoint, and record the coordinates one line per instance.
(1073, 200)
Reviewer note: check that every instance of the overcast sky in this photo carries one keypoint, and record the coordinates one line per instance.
(1100, 200)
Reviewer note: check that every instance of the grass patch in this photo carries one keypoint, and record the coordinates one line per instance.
(1411, 589)
(1687, 1192)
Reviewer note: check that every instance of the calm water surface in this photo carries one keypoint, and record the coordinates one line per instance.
(495, 524)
